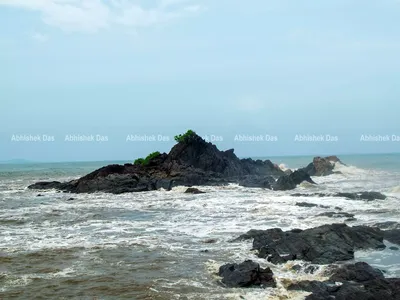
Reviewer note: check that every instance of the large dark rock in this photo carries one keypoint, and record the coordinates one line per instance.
(192, 162)
(289, 182)
(320, 245)
(246, 274)
(358, 281)
(322, 166)
(193, 191)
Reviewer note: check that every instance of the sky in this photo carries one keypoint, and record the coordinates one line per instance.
(228, 69)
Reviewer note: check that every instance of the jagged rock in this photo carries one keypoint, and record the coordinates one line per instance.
(193, 191)
(246, 274)
(289, 182)
(320, 245)
(189, 163)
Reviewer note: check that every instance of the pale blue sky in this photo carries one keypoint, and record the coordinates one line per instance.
(120, 67)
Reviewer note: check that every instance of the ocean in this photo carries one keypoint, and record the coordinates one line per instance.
(169, 245)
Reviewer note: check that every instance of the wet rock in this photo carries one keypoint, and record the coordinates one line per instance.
(351, 196)
(306, 204)
(359, 281)
(255, 181)
(204, 251)
(289, 182)
(388, 225)
(70, 199)
(358, 272)
(320, 245)
(321, 166)
(392, 236)
(210, 241)
(246, 274)
(311, 269)
(193, 191)
(332, 214)
(46, 185)
(394, 248)
(363, 196)
(39, 195)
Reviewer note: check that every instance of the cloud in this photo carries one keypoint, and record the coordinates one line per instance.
(94, 15)
(39, 37)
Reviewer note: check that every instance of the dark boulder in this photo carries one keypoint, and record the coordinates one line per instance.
(193, 191)
(320, 245)
(289, 182)
(246, 274)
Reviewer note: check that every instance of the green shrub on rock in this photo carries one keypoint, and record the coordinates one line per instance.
(183, 138)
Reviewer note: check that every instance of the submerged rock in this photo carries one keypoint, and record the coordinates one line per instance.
(246, 274)
(320, 245)
(351, 196)
(332, 214)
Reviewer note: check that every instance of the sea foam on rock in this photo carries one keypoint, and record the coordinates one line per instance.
(320, 245)
(246, 274)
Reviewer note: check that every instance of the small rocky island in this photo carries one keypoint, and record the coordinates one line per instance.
(192, 161)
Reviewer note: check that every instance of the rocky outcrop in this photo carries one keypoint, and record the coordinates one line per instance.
(322, 166)
(190, 162)
(320, 245)
(246, 274)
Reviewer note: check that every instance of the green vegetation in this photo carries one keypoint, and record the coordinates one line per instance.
(145, 161)
(183, 138)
